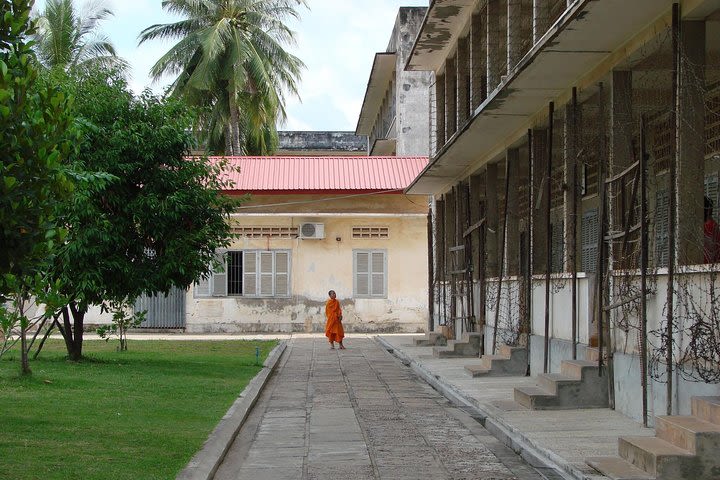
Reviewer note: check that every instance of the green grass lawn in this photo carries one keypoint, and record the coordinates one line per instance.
(131, 415)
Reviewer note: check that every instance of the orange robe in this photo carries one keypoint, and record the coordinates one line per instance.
(333, 326)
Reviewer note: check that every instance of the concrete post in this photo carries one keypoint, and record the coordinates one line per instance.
(491, 214)
(540, 233)
(541, 19)
(513, 221)
(691, 144)
(450, 98)
(478, 53)
(570, 138)
(463, 81)
(494, 57)
(439, 112)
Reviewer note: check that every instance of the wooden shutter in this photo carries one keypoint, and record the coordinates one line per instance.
(282, 274)
(589, 240)
(558, 244)
(250, 288)
(202, 287)
(266, 274)
(219, 277)
(377, 279)
(362, 273)
(662, 223)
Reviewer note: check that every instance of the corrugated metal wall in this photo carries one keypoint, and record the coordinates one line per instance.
(163, 311)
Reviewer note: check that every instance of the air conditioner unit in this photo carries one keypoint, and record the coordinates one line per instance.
(312, 230)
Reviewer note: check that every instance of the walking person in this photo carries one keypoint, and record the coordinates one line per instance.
(333, 325)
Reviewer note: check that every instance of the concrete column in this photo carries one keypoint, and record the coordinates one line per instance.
(513, 226)
(477, 195)
(491, 215)
(540, 233)
(439, 112)
(691, 144)
(450, 98)
(463, 81)
(570, 200)
(541, 19)
(494, 57)
(478, 54)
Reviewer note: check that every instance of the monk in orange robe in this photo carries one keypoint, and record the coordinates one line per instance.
(333, 326)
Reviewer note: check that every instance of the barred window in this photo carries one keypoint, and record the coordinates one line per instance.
(248, 273)
(370, 232)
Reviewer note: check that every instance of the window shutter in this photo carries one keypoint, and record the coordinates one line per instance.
(250, 273)
(282, 274)
(362, 273)
(557, 239)
(202, 287)
(266, 274)
(662, 223)
(219, 277)
(378, 273)
(589, 240)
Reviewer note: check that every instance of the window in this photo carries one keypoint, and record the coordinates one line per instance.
(369, 274)
(248, 273)
(589, 229)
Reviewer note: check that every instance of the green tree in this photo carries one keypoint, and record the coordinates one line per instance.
(68, 39)
(231, 61)
(157, 224)
(36, 137)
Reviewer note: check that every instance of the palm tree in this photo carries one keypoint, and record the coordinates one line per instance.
(230, 60)
(68, 39)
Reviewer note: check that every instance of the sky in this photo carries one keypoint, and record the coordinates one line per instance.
(336, 39)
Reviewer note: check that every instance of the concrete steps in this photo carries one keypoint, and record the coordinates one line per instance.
(686, 447)
(577, 386)
(431, 339)
(468, 346)
(510, 361)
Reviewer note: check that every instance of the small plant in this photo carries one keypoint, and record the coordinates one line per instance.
(124, 318)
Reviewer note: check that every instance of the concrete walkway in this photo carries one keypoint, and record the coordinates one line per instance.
(360, 414)
(563, 438)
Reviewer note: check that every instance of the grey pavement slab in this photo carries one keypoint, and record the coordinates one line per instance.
(361, 414)
(562, 437)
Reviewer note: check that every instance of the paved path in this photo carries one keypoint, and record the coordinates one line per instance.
(360, 414)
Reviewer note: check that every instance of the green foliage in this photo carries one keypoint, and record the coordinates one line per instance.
(158, 225)
(231, 62)
(140, 414)
(36, 139)
(68, 39)
(124, 318)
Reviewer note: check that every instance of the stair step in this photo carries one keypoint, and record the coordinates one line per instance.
(507, 350)
(550, 381)
(486, 360)
(648, 453)
(575, 368)
(616, 468)
(431, 339)
(682, 431)
(707, 408)
(476, 370)
(534, 398)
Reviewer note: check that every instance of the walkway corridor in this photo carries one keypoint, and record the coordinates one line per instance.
(360, 414)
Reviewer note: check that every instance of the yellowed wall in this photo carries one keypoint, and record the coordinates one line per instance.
(320, 265)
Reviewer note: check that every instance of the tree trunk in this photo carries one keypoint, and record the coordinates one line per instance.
(78, 315)
(24, 362)
(234, 122)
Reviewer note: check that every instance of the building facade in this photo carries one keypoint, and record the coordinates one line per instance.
(574, 151)
(313, 224)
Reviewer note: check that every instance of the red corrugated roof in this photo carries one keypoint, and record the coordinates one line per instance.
(323, 173)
